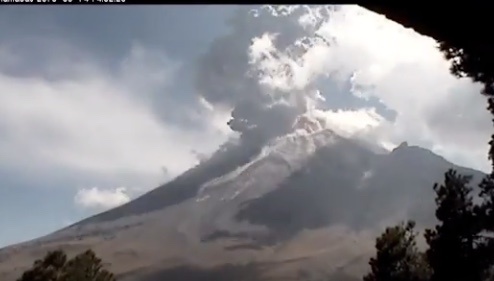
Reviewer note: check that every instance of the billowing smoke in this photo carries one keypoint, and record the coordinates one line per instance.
(254, 68)
(359, 73)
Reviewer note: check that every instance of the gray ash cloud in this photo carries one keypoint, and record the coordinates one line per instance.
(224, 75)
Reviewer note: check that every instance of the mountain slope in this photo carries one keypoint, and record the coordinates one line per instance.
(307, 205)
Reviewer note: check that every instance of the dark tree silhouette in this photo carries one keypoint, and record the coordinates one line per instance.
(453, 253)
(397, 257)
(85, 267)
(50, 268)
(459, 247)
(476, 61)
(56, 267)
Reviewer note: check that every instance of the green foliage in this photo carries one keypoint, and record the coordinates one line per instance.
(453, 244)
(398, 258)
(50, 268)
(56, 267)
(461, 246)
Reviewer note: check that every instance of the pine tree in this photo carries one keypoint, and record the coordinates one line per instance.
(86, 267)
(476, 62)
(452, 252)
(461, 247)
(397, 256)
(485, 213)
(50, 268)
(55, 267)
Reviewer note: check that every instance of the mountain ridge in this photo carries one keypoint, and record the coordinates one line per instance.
(306, 199)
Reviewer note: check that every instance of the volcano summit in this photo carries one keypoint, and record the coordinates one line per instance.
(309, 203)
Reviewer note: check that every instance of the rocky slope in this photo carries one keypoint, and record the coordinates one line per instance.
(306, 206)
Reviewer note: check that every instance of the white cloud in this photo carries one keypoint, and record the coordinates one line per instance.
(101, 199)
(350, 123)
(402, 69)
(102, 122)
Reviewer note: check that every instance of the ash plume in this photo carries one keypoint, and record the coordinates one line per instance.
(259, 68)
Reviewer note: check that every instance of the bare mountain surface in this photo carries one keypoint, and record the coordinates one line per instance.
(307, 206)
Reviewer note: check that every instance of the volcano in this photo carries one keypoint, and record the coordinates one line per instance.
(305, 206)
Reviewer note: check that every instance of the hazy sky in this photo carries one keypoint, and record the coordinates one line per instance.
(100, 104)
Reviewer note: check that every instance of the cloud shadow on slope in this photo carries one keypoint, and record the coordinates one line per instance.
(332, 189)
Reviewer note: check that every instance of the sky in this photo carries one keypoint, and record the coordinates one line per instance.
(99, 105)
